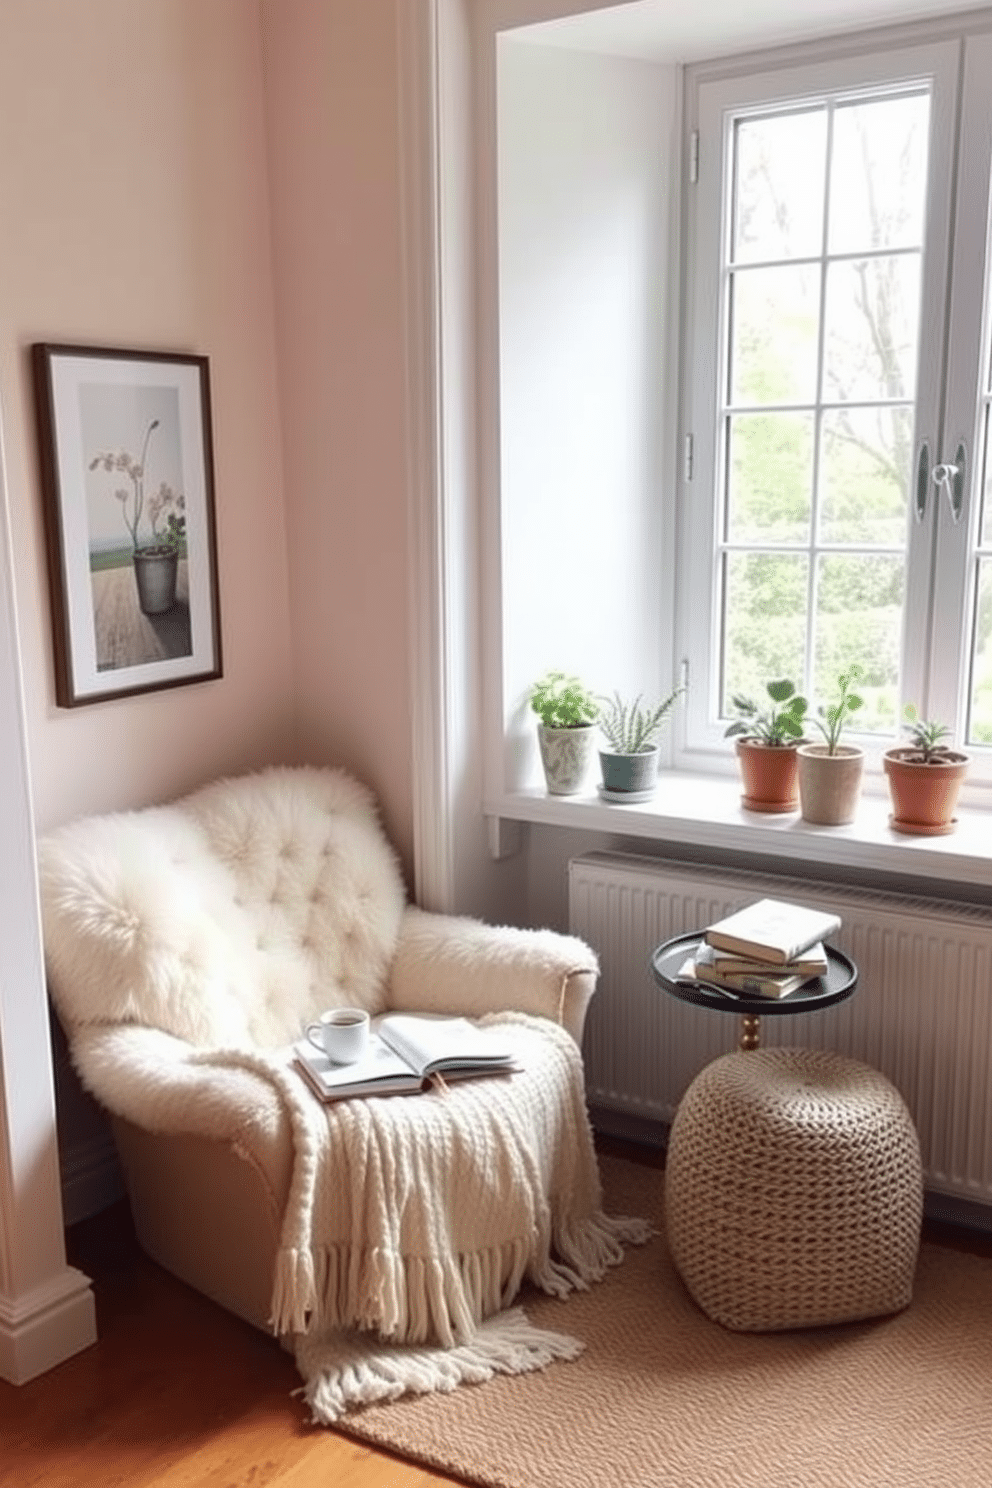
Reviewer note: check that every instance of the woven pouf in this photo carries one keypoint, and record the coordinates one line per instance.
(793, 1191)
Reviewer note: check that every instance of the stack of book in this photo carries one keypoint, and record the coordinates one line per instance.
(767, 949)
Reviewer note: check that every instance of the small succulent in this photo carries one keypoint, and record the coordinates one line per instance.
(561, 701)
(925, 737)
(830, 719)
(630, 729)
(778, 725)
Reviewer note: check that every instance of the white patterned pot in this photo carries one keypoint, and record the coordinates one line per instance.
(566, 754)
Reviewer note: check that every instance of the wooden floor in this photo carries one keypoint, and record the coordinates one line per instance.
(177, 1392)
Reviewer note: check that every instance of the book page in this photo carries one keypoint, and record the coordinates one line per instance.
(428, 1043)
(378, 1063)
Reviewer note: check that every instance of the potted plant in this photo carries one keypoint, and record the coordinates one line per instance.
(156, 560)
(566, 733)
(630, 763)
(767, 739)
(830, 773)
(924, 778)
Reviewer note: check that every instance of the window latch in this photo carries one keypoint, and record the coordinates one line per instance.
(950, 479)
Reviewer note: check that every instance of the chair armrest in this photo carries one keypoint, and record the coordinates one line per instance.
(453, 964)
(166, 1085)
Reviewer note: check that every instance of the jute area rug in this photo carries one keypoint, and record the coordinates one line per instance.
(664, 1398)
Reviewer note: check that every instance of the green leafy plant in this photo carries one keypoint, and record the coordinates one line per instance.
(561, 701)
(778, 725)
(925, 737)
(831, 718)
(630, 729)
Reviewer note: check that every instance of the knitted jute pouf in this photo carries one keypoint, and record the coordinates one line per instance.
(793, 1191)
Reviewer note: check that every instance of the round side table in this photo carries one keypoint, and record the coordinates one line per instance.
(839, 983)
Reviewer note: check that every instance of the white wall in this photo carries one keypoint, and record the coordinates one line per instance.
(587, 313)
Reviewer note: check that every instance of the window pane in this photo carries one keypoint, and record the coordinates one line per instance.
(778, 196)
(764, 636)
(769, 477)
(859, 618)
(986, 529)
(773, 335)
(872, 316)
(878, 174)
(865, 461)
(980, 719)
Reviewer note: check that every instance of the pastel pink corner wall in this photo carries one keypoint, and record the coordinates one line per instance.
(135, 213)
(331, 76)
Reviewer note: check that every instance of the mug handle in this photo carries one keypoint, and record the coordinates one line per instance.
(318, 1042)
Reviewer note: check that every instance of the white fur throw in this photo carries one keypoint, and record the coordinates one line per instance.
(229, 918)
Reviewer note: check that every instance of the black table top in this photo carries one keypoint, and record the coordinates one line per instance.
(839, 983)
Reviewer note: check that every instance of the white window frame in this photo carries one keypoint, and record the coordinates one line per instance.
(713, 97)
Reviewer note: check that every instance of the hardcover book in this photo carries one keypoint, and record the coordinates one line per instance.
(772, 930)
(407, 1053)
(748, 984)
(718, 964)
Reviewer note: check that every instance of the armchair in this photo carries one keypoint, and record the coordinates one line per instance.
(225, 922)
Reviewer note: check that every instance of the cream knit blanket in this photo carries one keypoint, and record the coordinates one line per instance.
(417, 1216)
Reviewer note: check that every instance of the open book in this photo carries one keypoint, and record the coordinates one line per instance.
(406, 1053)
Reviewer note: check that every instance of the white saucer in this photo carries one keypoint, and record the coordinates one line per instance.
(625, 798)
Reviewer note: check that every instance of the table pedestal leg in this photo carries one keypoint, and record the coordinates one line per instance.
(750, 1030)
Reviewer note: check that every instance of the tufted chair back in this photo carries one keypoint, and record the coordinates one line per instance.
(230, 917)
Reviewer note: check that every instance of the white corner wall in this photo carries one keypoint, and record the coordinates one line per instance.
(586, 213)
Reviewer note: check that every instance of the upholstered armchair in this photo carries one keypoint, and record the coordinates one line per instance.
(226, 921)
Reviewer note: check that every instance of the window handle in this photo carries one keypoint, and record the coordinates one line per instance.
(922, 481)
(951, 479)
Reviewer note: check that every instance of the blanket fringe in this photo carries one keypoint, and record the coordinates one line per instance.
(410, 1299)
(343, 1371)
(586, 1248)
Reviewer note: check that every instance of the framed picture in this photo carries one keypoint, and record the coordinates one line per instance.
(127, 480)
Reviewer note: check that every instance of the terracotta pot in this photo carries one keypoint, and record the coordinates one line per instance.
(566, 754)
(924, 796)
(830, 784)
(769, 775)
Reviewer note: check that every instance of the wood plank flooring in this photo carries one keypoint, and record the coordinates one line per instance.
(175, 1394)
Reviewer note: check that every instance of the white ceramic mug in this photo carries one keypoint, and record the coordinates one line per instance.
(341, 1033)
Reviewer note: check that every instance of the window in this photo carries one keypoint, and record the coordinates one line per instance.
(836, 363)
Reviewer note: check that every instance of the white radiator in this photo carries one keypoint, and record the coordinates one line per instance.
(922, 1012)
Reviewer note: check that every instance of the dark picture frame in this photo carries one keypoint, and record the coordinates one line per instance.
(128, 491)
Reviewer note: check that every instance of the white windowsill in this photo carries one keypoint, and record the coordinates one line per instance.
(704, 811)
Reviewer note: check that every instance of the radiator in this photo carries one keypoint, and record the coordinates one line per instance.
(922, 1012)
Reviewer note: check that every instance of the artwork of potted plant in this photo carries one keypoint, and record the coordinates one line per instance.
(566, 733)
(830, 773)
(767, 740)
(156, 560)
(630, 763)
(925, 777)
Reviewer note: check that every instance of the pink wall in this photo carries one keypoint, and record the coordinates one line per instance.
(331, 73)
(136, 214)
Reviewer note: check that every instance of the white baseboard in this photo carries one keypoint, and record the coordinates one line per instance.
(47, 1326)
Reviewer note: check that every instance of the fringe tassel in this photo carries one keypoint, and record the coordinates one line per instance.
(294, 1292)
(586, 1248)
(343, 1371)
